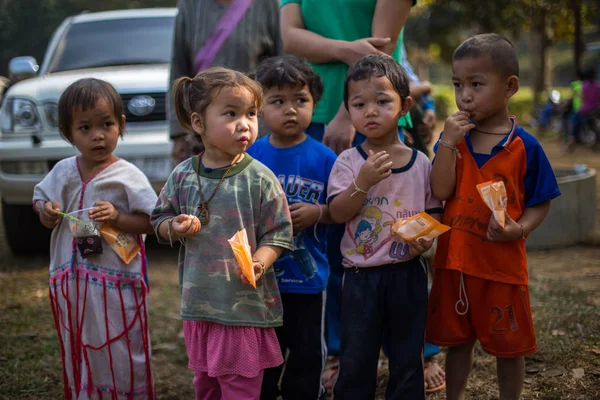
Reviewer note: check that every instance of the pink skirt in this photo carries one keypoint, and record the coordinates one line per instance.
(230, 350)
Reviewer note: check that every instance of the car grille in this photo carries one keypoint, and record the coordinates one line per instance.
(158, 114)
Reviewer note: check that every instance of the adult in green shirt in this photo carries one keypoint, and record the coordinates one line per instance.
(332, 35)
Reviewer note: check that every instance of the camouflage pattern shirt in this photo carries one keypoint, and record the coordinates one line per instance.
(250, 197)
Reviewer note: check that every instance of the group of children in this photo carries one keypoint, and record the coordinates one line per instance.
(283, 190)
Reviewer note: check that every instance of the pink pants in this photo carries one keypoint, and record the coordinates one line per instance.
(227, 387)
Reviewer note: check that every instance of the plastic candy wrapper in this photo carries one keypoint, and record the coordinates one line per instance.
(494, 196)
(86, 232)
(421, 225)
(124, 244)
(243, 255)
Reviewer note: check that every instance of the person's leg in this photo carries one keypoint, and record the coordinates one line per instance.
(459, 361)
(270, 382)
(405, 315)
(504, 327)
(449, 324)
(362, 324)
(307, 351)
(332, 309)
(206, 387)
(511, 375)
(237, 387)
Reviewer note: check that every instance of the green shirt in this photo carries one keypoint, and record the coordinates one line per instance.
(249, 197)
(339, 20)
(577, 88)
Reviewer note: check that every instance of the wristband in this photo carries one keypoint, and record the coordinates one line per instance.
(356, 188)
(454, 149)
(262, 266)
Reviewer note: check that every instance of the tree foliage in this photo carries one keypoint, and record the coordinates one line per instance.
(445, 21)
(26, 25)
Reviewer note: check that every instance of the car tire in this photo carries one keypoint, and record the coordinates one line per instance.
(24, 232)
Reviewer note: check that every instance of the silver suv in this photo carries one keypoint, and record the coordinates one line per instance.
(131, 49)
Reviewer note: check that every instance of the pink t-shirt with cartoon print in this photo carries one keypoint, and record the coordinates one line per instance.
(368, 238)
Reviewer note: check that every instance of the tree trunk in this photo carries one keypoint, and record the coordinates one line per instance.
(578, 37)
(539, 42)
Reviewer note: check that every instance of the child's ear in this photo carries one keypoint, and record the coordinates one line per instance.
(197, 124)
(406, 105)
(512, 86)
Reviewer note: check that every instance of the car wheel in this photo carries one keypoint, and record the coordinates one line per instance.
(24, 232)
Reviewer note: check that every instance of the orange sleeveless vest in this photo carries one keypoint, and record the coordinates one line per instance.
(466, 247)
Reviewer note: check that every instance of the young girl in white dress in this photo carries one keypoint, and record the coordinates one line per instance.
(99, 302)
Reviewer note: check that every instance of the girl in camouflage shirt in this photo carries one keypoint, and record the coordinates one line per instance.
(228, 324)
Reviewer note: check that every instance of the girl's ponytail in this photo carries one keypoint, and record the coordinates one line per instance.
(181, 102)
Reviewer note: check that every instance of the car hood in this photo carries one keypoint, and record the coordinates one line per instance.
(125, 79)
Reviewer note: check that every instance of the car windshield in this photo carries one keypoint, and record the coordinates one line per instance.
(114, 42)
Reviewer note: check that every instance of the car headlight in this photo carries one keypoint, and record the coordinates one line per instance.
(19, 116)
(51, 110)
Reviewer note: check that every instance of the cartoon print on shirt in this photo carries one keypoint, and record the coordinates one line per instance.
(369, 235)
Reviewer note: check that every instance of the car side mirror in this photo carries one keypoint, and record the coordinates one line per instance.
(21, 68)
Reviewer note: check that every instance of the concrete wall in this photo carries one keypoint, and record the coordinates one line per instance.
(572, 215)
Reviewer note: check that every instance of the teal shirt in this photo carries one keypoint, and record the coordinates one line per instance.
(339, 20)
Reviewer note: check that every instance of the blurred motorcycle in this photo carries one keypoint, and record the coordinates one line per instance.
(551, 115)
(589, 133)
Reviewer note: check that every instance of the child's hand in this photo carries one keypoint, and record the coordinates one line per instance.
(455, 127)
(258, 273)
(419, 246)
(304, 215)
(511, 231)
(103, 212)
(49, 215)
(185, 225)
(377, 167)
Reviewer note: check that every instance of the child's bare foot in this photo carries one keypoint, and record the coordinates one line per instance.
(435, 378)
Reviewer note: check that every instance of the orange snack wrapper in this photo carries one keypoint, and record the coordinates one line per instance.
(124, 244)
(243, 254)
(421, 225)
(494, 196)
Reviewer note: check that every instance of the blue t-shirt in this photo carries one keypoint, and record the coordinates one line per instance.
(540, 182)
(303, 171)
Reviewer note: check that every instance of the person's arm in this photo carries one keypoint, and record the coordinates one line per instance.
(180, 65)
(317, 49)
(104, 211)
(347, 204)
(388, 20)
(514, 230)
(443, 173)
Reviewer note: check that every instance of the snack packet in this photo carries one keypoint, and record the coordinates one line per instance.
(243, 255)
(85, 231)
(124, 244)
(421, 225)
(494, 196)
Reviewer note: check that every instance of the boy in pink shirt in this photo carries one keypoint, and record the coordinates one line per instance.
(371, 186)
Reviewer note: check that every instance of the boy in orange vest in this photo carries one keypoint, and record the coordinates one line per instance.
(480, 286)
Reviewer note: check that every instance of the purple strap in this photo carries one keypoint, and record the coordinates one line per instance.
(220, 33)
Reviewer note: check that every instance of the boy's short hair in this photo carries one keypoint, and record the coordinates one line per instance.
(84, 94)
(497, 47)
(375, 65)
(289, 70)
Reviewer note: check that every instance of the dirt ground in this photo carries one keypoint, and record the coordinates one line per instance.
(565, 297)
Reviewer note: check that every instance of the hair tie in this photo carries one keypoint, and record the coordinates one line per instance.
(190, 79)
